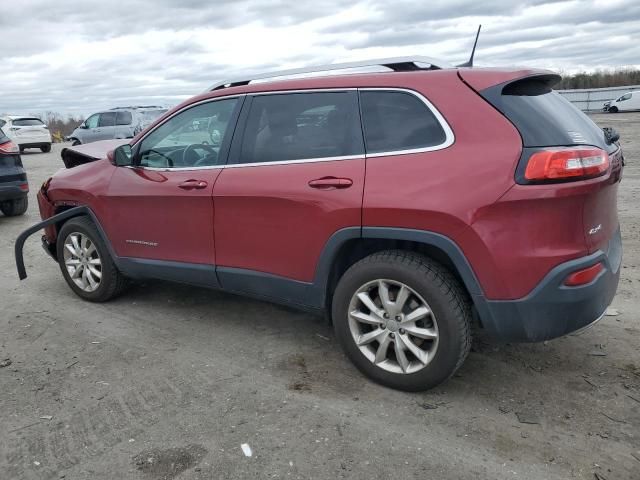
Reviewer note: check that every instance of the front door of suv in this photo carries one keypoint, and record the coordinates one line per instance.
(161, 208)
(295, 176)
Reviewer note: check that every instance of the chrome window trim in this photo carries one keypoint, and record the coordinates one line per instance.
(449, 135)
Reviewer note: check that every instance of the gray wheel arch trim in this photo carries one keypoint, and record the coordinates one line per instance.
(65, 215)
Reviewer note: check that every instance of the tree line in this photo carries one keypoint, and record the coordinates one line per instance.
(600, 79)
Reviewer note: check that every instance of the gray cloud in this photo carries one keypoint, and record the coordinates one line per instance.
(83, 56)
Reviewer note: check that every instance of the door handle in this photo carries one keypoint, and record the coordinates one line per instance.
(193, 184)
(327, 183)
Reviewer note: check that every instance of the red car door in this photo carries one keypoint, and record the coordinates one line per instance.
(162, 208)
(294, 178)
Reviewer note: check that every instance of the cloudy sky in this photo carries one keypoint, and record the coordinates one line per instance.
(81, 56)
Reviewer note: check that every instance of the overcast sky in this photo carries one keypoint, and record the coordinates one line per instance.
(82, 56)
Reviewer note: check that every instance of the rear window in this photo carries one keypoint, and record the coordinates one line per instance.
(27, 122)
(543, 117)
(149, 116)
(397, 121)
(123, 118)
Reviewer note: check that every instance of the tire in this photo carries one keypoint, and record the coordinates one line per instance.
(46, 148)
(447, 326)
(613, 109)
(13, 208)
(75, 142)
(22, 149)
(110, 283)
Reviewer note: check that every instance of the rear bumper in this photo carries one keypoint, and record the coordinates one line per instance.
(12, 192)
(552, 309)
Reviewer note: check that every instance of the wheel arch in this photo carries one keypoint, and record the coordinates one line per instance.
(60, 218)
(374, 239)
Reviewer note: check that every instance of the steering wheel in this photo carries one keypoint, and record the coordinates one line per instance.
(200, 162)
(168, 159)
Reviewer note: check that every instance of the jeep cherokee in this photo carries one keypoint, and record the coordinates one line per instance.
(404, 203)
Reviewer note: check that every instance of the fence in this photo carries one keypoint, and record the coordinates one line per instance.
(592, 99)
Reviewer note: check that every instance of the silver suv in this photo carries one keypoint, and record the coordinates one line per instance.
(120, 122)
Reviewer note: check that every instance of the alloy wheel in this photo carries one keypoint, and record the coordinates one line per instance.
(393, 326)
(82, 260)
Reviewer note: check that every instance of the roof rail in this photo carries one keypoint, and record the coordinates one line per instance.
(397, 64)
(135, 107)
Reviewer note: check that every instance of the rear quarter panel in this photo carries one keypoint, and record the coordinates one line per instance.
(445, 191)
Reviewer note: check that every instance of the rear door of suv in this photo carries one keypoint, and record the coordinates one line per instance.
(295, 176)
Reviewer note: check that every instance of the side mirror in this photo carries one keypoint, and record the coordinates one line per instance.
(83, 126)
(122, 156)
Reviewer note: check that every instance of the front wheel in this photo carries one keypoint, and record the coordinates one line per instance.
(402, 319)
(85, 262)
(613, 109)
(75, 142)
(46, 148)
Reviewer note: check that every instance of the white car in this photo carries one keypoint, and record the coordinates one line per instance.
(26, 132)
(625, 103)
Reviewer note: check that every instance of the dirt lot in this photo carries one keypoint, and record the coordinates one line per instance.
(168, 381)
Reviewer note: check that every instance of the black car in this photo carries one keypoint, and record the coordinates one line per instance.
(13, 179)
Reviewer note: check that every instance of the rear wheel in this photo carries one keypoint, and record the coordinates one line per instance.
(85, 262)
(13, 208)
(46, 148)
(402, 319)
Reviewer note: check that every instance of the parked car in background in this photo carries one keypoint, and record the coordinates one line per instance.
(405, 203)
(120, 122)
(13, 179)
(628, 102)
(26, 132)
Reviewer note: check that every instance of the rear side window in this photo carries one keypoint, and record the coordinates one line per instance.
(27, 122)
(397, 121)
(300, 126)
(123, 118)
(107, 119)
(543, 117)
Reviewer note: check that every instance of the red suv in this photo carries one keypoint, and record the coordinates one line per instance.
(406, 203)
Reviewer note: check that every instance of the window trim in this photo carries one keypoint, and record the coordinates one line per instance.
(240, 121)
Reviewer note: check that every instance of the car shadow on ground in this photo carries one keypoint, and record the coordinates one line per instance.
(301, 348)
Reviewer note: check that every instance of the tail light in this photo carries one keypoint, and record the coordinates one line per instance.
(570, 163)
(584, 276)
(9, 148)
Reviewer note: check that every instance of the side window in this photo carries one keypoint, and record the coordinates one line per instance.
(395, 121)
(123, 118)
(191, 138)
(626, 96)
(299, 126)
(92, 121)
(2, 123)
(107, 119)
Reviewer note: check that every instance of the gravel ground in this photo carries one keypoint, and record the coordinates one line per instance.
(169, 381)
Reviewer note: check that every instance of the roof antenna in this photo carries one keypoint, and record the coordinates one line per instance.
(469, 63)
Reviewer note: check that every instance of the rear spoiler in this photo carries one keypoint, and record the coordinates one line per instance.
(81, 154)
